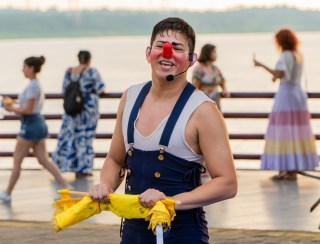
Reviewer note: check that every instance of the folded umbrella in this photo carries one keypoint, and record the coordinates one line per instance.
(70, 211)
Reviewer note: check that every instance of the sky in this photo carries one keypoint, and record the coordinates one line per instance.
(192, 5)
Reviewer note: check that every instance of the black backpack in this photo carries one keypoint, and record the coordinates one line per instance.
(73, 98)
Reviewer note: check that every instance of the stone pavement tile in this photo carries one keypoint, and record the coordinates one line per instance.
(16, 232)
(232, 236)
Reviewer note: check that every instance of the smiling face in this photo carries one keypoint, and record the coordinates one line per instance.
(163, 65)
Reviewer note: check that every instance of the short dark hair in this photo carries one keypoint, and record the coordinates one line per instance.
(205, 54)
(84, 57)
(35, 62)
(176, 25)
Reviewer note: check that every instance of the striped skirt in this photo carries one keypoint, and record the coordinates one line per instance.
(290, 143)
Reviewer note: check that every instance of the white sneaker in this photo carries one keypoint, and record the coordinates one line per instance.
(5, 197)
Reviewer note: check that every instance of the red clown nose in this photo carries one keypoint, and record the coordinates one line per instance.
(167, 50)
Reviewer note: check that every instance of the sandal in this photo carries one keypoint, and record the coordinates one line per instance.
(280, 176)
(290, 176)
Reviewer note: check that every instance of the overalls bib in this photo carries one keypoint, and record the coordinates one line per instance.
(167, 173)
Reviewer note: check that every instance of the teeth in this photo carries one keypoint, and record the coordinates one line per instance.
(166, 63)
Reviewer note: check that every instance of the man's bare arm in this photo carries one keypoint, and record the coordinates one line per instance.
(109, 175)
(214, 144)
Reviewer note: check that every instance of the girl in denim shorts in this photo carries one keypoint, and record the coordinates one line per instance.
(33, 127)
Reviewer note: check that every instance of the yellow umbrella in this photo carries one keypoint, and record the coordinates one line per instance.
(70, 211)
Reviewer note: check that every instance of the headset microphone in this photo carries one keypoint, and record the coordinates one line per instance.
(171, 77)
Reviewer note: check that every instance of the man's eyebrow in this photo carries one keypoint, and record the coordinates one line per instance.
(173, 43)
(163, 42)
(176, 44)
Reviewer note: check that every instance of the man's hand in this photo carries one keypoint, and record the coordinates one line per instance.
(100, 193)
(149, 198)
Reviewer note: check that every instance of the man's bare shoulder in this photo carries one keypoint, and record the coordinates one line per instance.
(207, 115)
(207, 108)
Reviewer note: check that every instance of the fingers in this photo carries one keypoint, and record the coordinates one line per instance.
(149, 198)
(7, 107)
(255, 62)
(226, 94)
(100, 193)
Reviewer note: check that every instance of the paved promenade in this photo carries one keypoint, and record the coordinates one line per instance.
(14, 232)
(263, 212)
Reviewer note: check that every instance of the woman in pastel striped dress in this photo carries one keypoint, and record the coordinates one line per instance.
(290, 143)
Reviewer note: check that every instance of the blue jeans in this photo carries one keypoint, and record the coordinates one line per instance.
(33, 127)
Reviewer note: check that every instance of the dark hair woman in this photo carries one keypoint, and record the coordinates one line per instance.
(33, 127)
(74, 152)
(207, 77)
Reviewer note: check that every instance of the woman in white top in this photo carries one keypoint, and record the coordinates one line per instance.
(290, 143)
(33, 129)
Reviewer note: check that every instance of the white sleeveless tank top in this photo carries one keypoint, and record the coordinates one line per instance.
(177, 144)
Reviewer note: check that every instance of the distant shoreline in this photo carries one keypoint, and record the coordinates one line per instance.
(17, 24)
(126, 35)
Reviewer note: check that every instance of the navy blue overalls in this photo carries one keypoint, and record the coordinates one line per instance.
(167, 173)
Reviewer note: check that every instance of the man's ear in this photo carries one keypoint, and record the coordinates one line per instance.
(194, 59)
(148, 52)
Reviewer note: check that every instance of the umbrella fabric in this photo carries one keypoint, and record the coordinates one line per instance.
(70, 211)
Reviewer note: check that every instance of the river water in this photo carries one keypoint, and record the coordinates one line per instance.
(121, 62)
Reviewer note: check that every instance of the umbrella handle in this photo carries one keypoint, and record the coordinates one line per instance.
(74, 193)
(83, 194)
(79, 193)
(159, 233)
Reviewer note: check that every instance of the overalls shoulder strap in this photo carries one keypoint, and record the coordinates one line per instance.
(183, 99)
(135, 110)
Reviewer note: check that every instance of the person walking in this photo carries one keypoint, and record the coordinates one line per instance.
(164, 132)
(74, 152)
(290, 144)
(33, 129)
(207, 77)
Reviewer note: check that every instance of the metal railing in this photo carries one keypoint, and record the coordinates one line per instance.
(112, 116)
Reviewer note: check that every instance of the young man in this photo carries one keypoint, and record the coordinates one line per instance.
(165, 130)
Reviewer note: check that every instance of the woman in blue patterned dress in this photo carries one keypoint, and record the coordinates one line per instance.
(74, 151)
